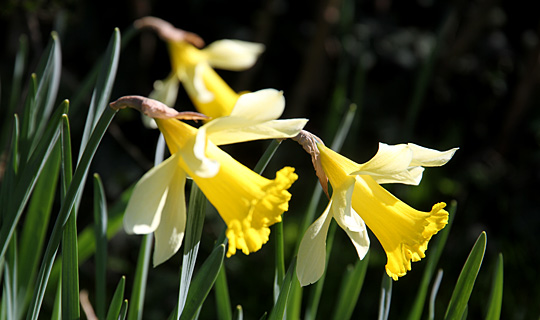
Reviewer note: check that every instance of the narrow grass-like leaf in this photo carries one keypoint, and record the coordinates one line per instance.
(70, 266)
(238, 313)
(16, 84)
(351, 285)
(117, 299)
(73, 192)
(10, 281)
(495, 297)
(279, 257)
(40, 104)
(57, 307)
(103, 88)
(138, 292)
(86, 84)
(36, 223)
(386, 297)
(223, 300)
(194, 225)
(123, 310)
(28, 178)
(203, 282)
(267, 156)
(433, 294)
(467, 277)
(278, 311)
(100, 231)
(435, 249)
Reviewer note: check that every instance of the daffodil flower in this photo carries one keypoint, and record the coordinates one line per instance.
(194, 67)
(248, 203)
(358, 201)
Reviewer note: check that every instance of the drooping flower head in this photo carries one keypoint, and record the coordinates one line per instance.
(358, 201)
(248, 203)
(193, 66)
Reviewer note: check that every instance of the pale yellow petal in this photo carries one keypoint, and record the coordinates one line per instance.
(262, 105)
(429, 157)
(193, 82)
(311, 260)
(275, 129)
(170, 232)
(145, 206)
(166, 90)
(235, 55)
(194, 155)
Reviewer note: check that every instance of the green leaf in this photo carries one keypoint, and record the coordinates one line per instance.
(28, 178)
(351, 285)
(278, 311)
(238, 313)
(10, 281)
(223, 301)
(496, 294)
(116, 303)
(138, 292)
(103, 88)
(70, 266)
(433, 254)
(433, 295)
(465, 283)
(36, 223)
(72, 194)
(203, 282)
(386, 297)
(57, 307)
(100, 231)
(194, 225)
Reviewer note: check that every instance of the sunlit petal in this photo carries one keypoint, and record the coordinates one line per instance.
(170, 232)
(262, 105)
(145, 206)
(194, 155)
(235, 55)
(350, 221)
(275, 129)
(311, 260)
(429, 157)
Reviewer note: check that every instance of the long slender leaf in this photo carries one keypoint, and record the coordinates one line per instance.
(103, 88)
(495, 297)
(278, 311)
(203, 282)
(117, 299)
(351, 286)
(73, 191)
(194, 224)
(36, 223)
(70, 266)
(433, 294)
(433, 255)
(223, 300)
(467, 277)
(10, 281)
(136, 306)
(28, 179)
(100, 230)
(386, 297)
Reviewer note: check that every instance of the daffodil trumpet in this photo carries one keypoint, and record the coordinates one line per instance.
(248, 203)
(194, 67)
(359, 202)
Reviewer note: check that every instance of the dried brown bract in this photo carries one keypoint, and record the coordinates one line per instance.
(309, 142)
(168, 32)
(155, 109)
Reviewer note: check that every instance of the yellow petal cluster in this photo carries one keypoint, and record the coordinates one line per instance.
(403, 232)
(248, 203)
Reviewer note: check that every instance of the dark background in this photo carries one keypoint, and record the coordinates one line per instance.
(441, 74)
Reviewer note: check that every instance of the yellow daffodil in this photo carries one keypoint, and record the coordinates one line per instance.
(248, 203)
(358, 201)
(194, 67)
